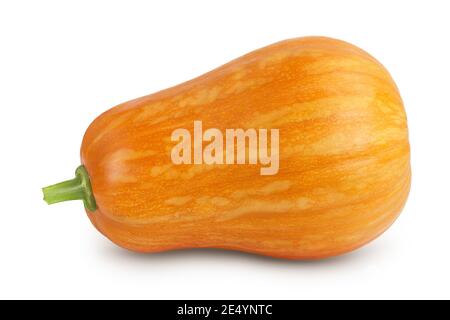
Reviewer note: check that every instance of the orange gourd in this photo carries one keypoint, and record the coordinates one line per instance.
(344, 169)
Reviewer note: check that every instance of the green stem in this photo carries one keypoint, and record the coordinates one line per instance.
(79, 188)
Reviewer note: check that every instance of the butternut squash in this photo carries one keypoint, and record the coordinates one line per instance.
(343, 171)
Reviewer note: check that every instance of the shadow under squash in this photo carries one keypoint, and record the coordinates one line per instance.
(211, 254)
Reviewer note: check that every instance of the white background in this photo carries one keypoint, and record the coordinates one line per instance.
(63, 63)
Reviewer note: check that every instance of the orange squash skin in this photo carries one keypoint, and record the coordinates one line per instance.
(344, 157)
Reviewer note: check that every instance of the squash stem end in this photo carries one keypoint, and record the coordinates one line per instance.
(78, 188)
